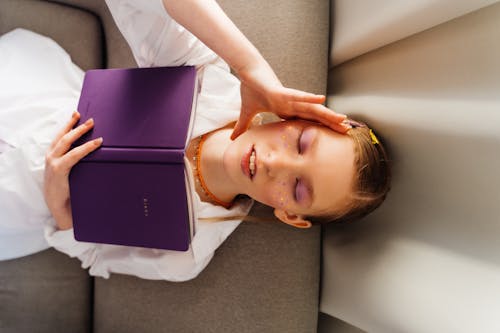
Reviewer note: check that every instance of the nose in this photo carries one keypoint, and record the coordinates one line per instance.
(277, 165)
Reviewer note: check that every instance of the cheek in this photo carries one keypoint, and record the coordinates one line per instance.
(286, 139)
(279, 195)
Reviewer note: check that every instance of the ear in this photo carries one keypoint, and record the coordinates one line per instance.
(292, 219)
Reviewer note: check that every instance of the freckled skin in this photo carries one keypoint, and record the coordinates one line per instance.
(283, 161)
(279, 196)
(287, 143)
(287, 138)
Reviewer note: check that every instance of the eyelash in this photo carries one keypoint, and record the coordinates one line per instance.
(299, 150)
(298, 142)
(295, 189)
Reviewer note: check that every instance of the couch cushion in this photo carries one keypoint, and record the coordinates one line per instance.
(115, 50)
(291, 34)
(45, 292)
(263, 279)
(48, 291)
(77, 31)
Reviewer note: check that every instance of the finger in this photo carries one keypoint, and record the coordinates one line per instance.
(69, 125)
(241, 125)
(64, 144)
(76, 154)
(302, 96)
(325, 116)
(341, 128)
(317, 112)
(239, 128)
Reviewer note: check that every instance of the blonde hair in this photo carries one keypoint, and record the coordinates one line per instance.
(372, 180)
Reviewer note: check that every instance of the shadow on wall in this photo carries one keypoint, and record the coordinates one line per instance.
(444, 193)
(427, 260)
(455, 60)
(434, 98)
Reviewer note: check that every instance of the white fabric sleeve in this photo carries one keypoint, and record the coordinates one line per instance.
(153, 264)
(39, 89)
(104, 259)
(155, 38)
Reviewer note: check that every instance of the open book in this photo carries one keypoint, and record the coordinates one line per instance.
(135, 189)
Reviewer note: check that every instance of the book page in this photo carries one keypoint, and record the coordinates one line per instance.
(188, 172)
(189, 180)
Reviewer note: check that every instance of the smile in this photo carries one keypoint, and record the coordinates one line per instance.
(248, 163)
(251, 166)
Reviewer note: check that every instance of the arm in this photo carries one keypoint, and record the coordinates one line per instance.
(58, 162)
(261, 89)
(222, 36)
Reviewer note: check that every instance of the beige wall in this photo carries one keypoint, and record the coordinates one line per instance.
(428, 260)
(360, 26)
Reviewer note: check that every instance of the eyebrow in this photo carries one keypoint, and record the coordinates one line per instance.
(313, 148)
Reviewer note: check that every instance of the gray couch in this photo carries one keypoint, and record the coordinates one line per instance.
(426, 76)
(264, 278)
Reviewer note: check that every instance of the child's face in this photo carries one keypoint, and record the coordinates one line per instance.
(301, 168)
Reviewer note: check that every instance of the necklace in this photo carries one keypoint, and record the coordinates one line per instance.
(199, 176)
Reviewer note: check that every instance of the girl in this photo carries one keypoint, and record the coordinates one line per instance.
(286, 165)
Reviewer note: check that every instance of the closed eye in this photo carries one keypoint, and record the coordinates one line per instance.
(300, 143)
(300, 191)
(295, 187)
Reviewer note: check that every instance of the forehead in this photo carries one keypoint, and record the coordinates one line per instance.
(330, 168)
(333, 176)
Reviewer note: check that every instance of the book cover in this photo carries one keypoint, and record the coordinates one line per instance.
(135, 189)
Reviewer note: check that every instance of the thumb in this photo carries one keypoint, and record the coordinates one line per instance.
(241, 125)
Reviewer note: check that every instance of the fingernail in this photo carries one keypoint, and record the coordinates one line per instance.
(89, 121)
(76, 114)
(98, 141)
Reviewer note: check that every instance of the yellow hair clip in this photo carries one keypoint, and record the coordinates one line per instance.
(374, 138)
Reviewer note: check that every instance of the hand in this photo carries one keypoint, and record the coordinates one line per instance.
(58, 162)
(262, 91)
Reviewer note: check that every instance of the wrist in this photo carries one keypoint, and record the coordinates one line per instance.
(258, 71)
(251, 61)
(63, 217)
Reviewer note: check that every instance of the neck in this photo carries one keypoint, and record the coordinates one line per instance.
(212, 165)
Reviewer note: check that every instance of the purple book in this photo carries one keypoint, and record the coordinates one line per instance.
(134, 190)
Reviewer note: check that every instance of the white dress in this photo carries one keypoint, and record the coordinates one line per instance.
(39, 90)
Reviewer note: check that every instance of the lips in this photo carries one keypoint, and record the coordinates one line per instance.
(245, 163)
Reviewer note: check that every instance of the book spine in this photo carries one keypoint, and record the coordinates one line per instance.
(142, 155)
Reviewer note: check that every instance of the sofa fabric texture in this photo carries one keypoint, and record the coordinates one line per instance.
(83, 41)
(45, 292)
(264, 278)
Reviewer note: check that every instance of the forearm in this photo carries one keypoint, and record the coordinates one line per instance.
(63, 218)
(208, 22)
